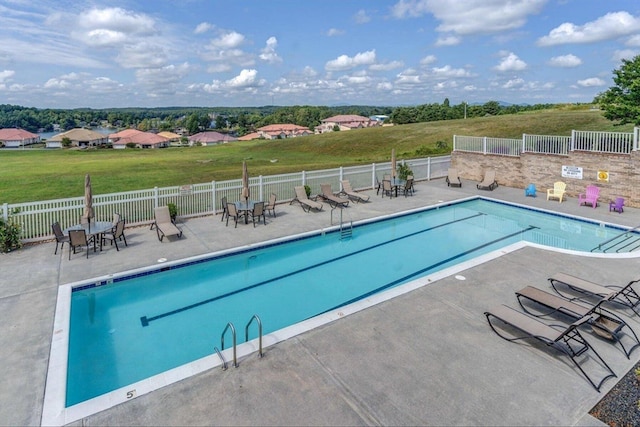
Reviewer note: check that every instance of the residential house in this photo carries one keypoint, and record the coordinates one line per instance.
(141, 139)
(210, 138)
(174, 138)
(14, 138)
(345, 122)
(282, 131)
(80, 137)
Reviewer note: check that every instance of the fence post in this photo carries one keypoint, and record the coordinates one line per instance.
(636, 133)
(304, 178)
(341, 173)
(260, 183)
(524, 137)
(428, 168)
(213, 196)
(454, 143)
(484, 145)
(373, 175)
(572, 143)
(5, 212)
(156, 196)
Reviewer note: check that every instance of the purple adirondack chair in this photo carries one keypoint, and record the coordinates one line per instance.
(590, 196)
(617, 206)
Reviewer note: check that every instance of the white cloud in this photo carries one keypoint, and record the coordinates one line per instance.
(633, 41)
(510, 62)
(109, 27)
(141, 55)
(6, 75)
(385, 86)
(333, 32)
(471, 16)
(447, 71)
(610, 26)
(227, 40)
(361, 17)
(344, 62)
(246, 79)
(448, 41)
(203, 27)
(565, 61)
(386, 66)
(427, 60)
(269, 53)
(513, 83)
(591, 82)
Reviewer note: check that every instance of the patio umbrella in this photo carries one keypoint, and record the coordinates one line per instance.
(245, 181)
(393, 163)
(88, 200)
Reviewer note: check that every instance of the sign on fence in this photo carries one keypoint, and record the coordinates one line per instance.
(186, 190)
(574, 172)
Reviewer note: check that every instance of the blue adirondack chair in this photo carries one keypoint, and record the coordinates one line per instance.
(530, 190)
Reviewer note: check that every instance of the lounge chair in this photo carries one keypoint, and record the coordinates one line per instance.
(271, 206)
(567, 340)
(617, 206)
(530, 191)
(60, 236)
(348, 191)
(489, 182)
(333, 200)
(258, 212)
(453, 180)
(603, 322)
(624, 295)
(116, 234)
(590, 196)
(163, 224)
(305, 202)
(557, 192)
(78, 239)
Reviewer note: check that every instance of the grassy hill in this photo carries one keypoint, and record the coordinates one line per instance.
(32, 175)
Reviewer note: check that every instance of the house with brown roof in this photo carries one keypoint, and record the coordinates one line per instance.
(345, 122)
(282, 131)
(174, 138)
(79, 137)
(210, 138)
(119, 140)
(14, 138)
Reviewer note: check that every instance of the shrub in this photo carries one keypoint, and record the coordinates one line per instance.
(173, 211)
(404, 171)
(9, 236)
(307, 190)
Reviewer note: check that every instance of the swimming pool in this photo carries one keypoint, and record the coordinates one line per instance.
(120, 333)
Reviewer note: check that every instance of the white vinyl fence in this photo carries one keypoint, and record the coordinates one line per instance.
(596, 142)
(192, 200)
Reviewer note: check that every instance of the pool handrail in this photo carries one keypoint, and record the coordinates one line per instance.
(246, 332)
(617, 236)
(233, 335)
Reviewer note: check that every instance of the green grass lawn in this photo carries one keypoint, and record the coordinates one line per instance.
(32, 175)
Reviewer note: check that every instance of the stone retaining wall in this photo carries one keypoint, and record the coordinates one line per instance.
(545, 169)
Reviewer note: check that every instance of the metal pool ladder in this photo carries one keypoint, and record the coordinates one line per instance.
(346, 228)
(623, 242)
(233, 336)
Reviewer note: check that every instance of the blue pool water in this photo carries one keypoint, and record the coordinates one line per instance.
(137, 327)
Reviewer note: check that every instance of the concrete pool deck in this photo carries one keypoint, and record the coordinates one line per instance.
(426, 357)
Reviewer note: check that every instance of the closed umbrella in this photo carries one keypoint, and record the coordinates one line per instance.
(245, 182)
(393, 163)
(88, 200)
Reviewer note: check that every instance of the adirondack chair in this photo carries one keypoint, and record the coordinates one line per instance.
(557, 192)
(617, 206)
(530, 190)
(589, 196)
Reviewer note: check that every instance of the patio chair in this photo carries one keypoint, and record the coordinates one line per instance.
(387, 188)
(567, 340)
(116, 218)
(305, 202)
(257, 212)
(347, 190)
(617, 206)
(116, 234)
(590, 196)
(232, 212)
(60, 236)
(378, 186)
(530, 191)
(163, 224)
(79, 239)
(624, 295)
(557, 192)
(489, 182)
(603, 323)
(408, 187)
(223, 202)
(453, 180)
(333, 200)
(271, 206)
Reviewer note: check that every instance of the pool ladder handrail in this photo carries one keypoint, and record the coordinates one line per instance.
(623, 234)
(233, 334)
(246, 332)
(345, 232)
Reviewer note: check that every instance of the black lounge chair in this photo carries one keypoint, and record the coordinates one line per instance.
(604, 323)
(567, 340)
(624, 295)
(489, 182)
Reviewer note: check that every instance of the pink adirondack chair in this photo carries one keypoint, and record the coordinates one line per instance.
(589, 196)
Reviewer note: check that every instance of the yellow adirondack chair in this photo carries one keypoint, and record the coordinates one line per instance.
(557, 192)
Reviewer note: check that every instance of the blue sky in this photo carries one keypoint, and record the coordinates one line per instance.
(98, 54)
